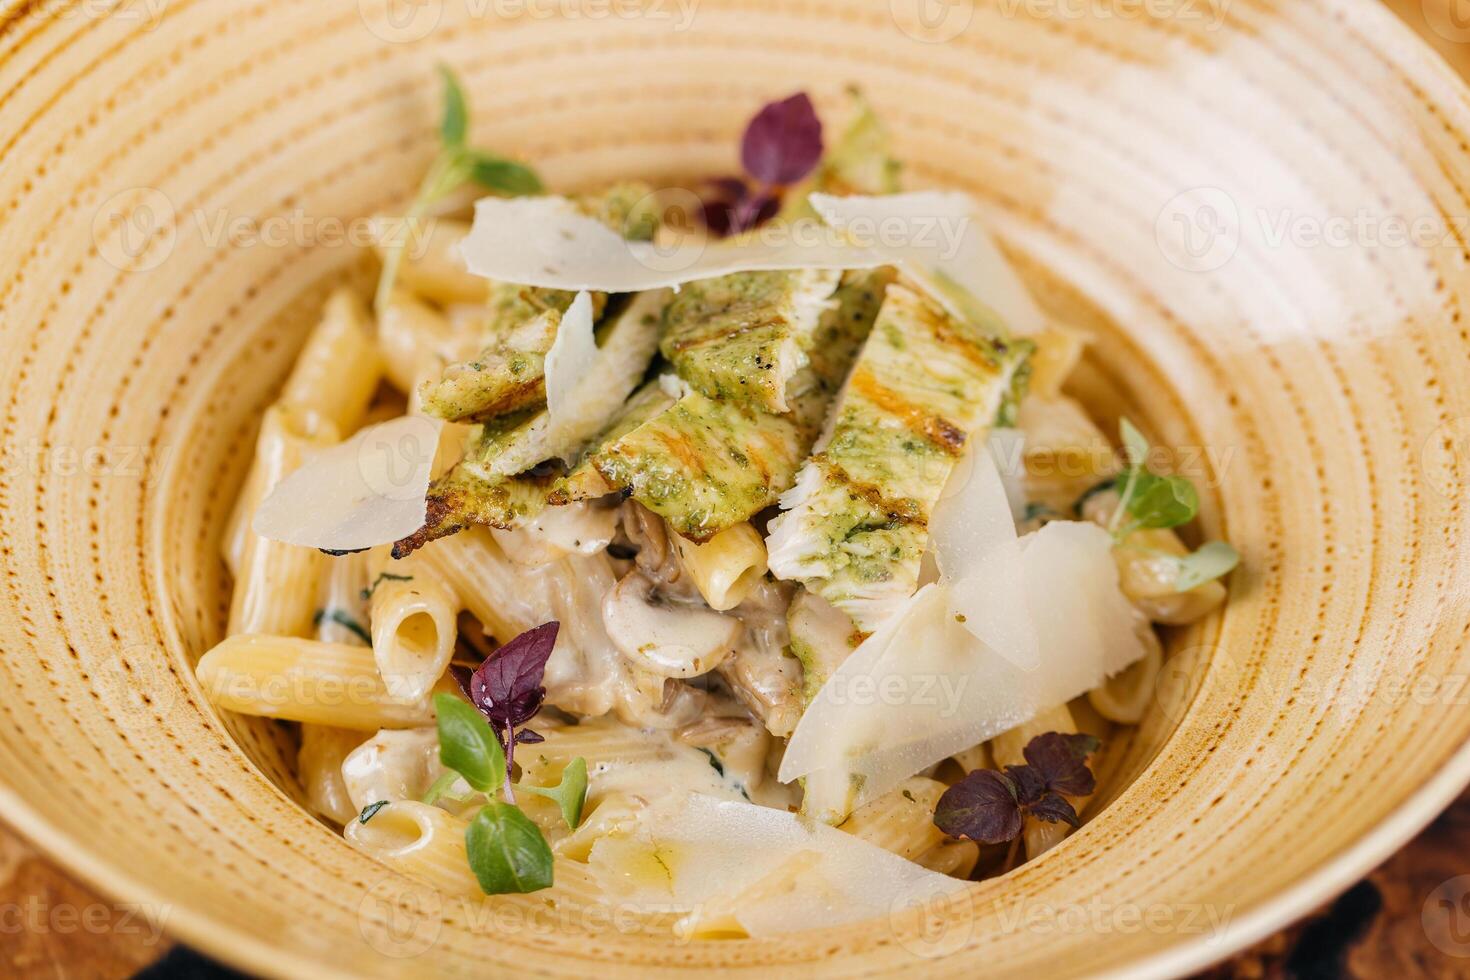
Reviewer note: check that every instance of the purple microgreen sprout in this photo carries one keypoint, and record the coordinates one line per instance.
(782, 144)
(989, 805)
(508, 691)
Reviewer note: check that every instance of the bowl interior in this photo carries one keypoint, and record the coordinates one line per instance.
(1219, 198)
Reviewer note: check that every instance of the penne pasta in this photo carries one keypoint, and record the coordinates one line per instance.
(726, 567)
(276, 584)
(421, 841)
(432, 267)
(472, 566)
(416, 341)
(342, 612)
(319, 766)
(304, 680)
(337, 372)
(901, 821)
(413, 620)
(393, 765)
(1125, 698)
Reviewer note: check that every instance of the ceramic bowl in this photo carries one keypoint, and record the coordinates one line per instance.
(1257, 207)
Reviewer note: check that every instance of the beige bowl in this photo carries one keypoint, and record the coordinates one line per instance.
(1262, 215)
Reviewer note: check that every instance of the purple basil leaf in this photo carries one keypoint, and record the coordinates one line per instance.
(982, 807)
(783, 143)
(1028, 782)
(1054, 809)
(507, 686)
(754, 210)
(1061, 761)
(527, 737)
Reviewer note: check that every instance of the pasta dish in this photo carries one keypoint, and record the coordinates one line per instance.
(752, 570)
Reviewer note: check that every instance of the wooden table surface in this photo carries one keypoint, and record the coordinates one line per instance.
(1409, 918)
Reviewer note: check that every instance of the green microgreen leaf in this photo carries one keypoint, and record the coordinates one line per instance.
(440, 787)
(507, 852)
(499, 174)
(570, 794)
(1162, 501)
(467, 745)
(456, 163)
(1209, 562)
(1135, 446)
(454, 126)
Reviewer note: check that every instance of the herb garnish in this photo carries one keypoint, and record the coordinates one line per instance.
(344, 620)
(989, 805)
(1152, 501)
(781, 145)
(370, 811)
(367, 593)
(506, 850)
(456, 163)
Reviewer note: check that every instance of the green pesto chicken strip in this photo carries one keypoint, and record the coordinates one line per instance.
(509, 372)
(704, 465)
(855, 524)
(582, 481)
(511, 444)
(462, 498)
(742, 337)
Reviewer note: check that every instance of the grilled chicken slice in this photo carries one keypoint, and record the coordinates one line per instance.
(855, 524)
(742, 337)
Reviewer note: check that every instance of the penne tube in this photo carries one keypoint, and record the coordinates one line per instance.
(414, 625)
(1058, 351)
(486, 582)
(901, 821)
(421, 841)
(237, 529)
(1125, 697)
(276, 584)
(337, 372)
(431, 265)
(308, 681)
(319, 766)
(394, 765)
(414, 339)
(1008, 747)
(342, 613)
(726, 567)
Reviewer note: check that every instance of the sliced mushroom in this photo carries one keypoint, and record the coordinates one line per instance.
(666, 638)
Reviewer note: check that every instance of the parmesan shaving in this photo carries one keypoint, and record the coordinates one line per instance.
(939, 243)
(367, 491)
(734, 867)
(547, 242)
(925, 686)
